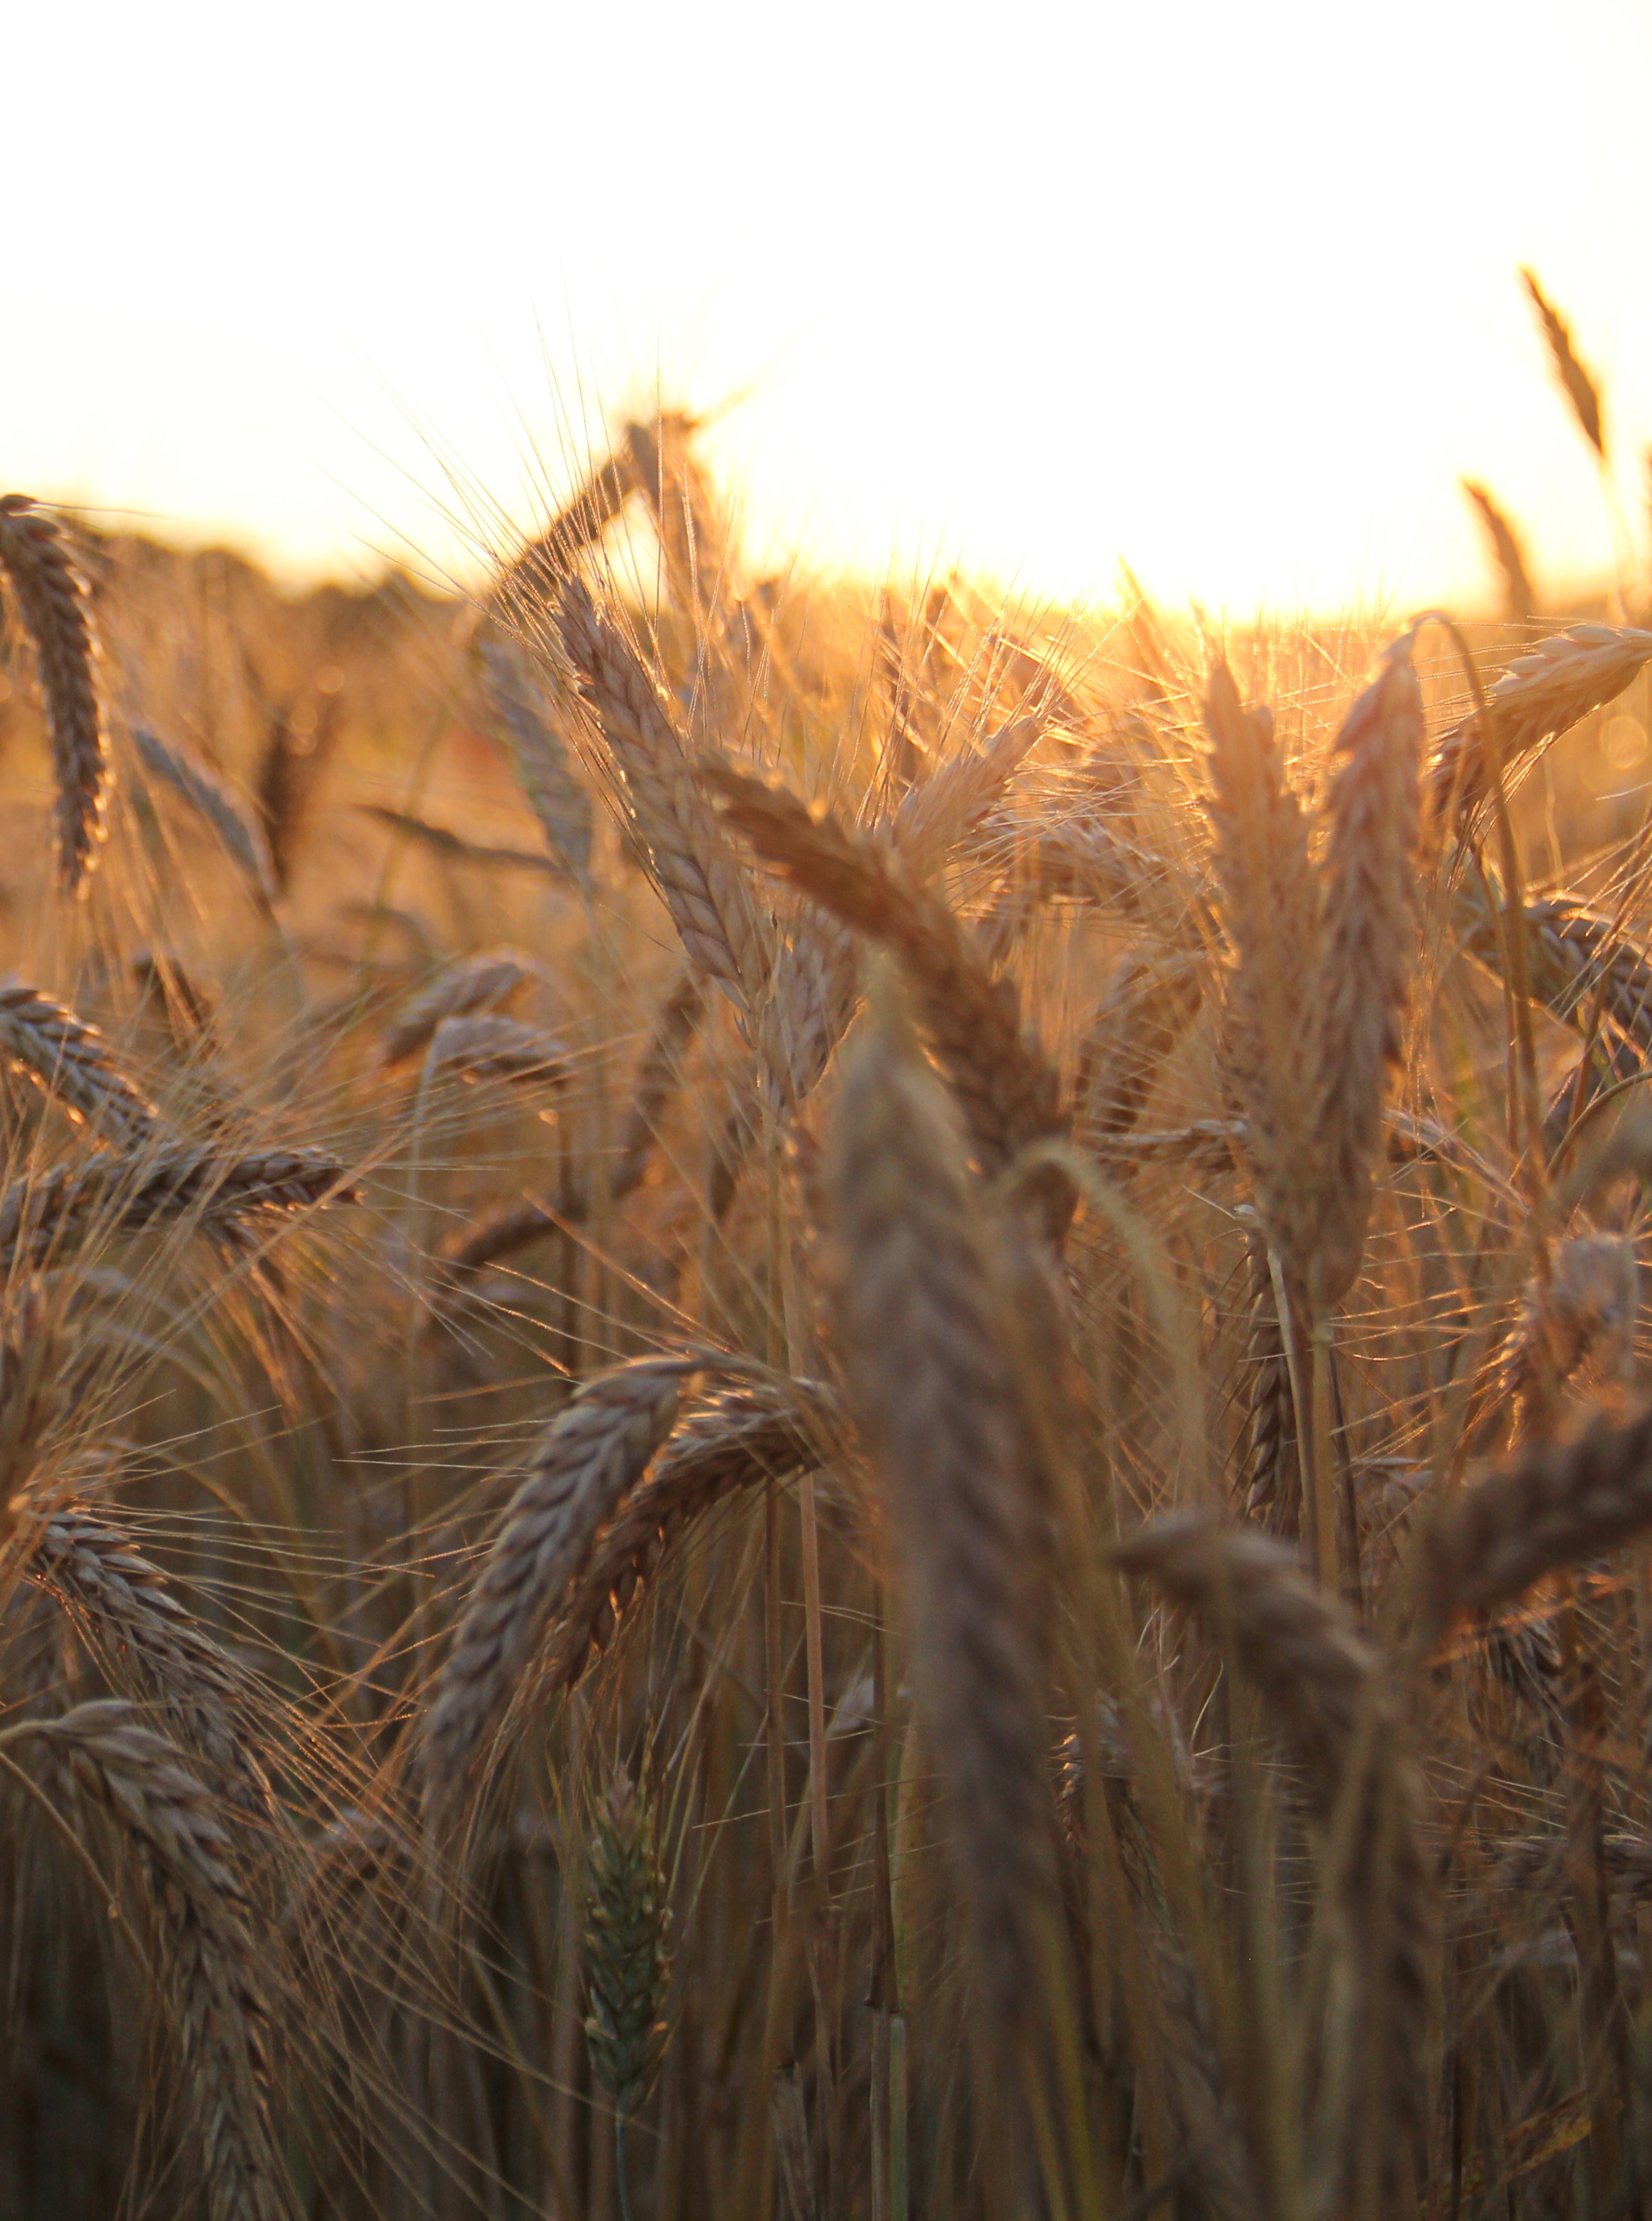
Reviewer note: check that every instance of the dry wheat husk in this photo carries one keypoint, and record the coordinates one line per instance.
(53, 599)
(209, 1963)
(939, 1403)
(72, 1063)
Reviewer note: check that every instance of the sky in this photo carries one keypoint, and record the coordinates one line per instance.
(1226, 292)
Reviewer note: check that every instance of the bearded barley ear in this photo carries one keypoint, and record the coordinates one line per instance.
(1518, 600)
(584, 1465)
(679, 1020)
(543, 764)
(52, 598)
(703, 884)
(211, 799)
(1551, 1505)
(1149, 1006)
(49, 1215)
(1580, 389)
(1541, 695)
(628, 1954)
(1271, 913)
(71, 1062)
(1366, 953)
(1005, 1085)
(211, 1962)
(489, 980)
(731, 1445)
(940, 1402)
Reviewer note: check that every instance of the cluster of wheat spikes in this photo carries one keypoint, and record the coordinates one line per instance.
(815, 1404)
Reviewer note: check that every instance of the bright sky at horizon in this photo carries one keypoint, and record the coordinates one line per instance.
(1229, 293)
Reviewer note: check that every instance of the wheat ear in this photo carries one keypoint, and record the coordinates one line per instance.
(52, 598)
(489, 980)
(1540, 695)
(958, 797)
(1270, 911)
(1149, 1006)
(732, 1444)
(211, 1962)
(1273, 1479)
(675, 1025)
(1518, 600)
(702, 883)
(584, 1464)
(940, 1407)
(539, 754)
(1318, 1677)
(1367, 953)
(49, 1215)
(72, 1063)
(484, 1047)
(1006, 1086)
(207, 795)
(1549, 1506)
(1579, 387)
(1574, 957)
(96, 1572)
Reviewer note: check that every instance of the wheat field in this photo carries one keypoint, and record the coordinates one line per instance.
(817, 1402)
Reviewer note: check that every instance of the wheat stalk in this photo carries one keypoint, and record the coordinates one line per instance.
(52, 598)
(71, 1062)
(211, 1962)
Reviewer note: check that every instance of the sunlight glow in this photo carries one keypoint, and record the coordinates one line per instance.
(1230, 293)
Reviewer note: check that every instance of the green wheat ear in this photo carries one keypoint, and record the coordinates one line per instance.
(627, 1952)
